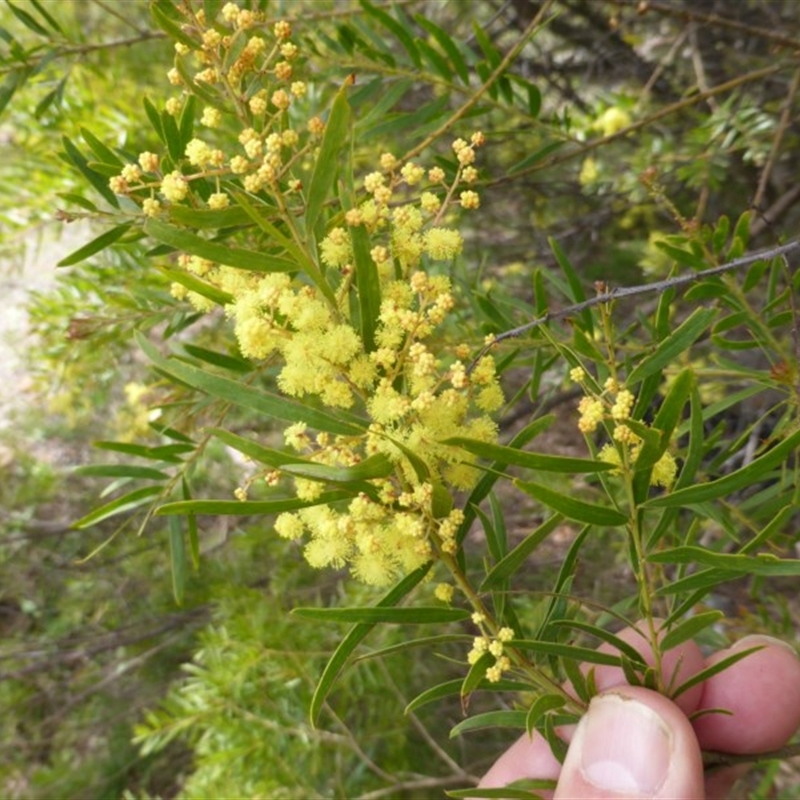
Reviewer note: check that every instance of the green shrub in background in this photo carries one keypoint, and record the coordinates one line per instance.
(342, 370)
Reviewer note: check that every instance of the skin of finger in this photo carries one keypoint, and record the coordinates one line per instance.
(762, 692)
(531, 757)
(677, 665)
(528, 757)
(684, 778)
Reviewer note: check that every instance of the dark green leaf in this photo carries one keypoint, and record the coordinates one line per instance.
(27, 20)
(327, 161)
(670, 348)
(689, 628)
(506, 567)
(395, 28)
(100, 183)
(571, 508)
(524, 458)
(764, 564)
(127, 502)
(540, 706)
(491, 719)
(447, 44)
(103, 241)
(102, 152)
(368, 284)
(746, 476)
(195, 284)
(339, 659)
(240, 394)
(373, 615)
(122, 471)
(247, 508)
(177, 553)
(218, 252)
(586, 655)
(714, 669)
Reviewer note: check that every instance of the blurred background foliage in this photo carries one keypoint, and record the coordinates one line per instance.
(108, 688)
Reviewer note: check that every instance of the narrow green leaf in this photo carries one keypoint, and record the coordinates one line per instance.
(437, 61)
(668, 350)
(491, 719)
(127, 502)
(263, 455)
(603, 635)
(27, 20)
(121, 471)
(714, 669)
(195, 284)
(247, 508)
(571, 508)
(240, 394)
(493, 57)
(186, 121)
(681, 256)
(169, 452)
(78, 200)
(191, 527)
(702, 580)
(209, 219)
(327, 161)
(755, 471)
(373, 615)
(523, 789)
(558, 747)
(47, 17)
(369, 286)
(218, 252)
(223, 360)
(575, 286)
(524, 458)
(450, 688)
(540, 706)
(354, 636)
(155, 118)
(100, 183)
(102, 152)
(396, 29)
(101, 242)
(689, 628)
(506, 567)
(171, 28)
(177, 553)
(586, 655)
(376, 466)
(764, 564)
(424, 641)
(447, 44)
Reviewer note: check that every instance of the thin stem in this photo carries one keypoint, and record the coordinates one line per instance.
(634, 291)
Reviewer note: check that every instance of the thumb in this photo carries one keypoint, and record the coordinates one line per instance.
(632, 742)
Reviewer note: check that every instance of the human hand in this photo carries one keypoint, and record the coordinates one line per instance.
(634, 742)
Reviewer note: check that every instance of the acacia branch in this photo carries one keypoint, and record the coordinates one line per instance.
(634, 291)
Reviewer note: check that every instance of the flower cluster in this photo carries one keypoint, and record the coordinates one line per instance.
(409, 382)
(613, 408)
(229, 56)
(493, 645)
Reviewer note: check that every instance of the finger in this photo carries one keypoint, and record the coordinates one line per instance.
(677, 664)
(632, 742)
(762, 694)
(528, 757)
